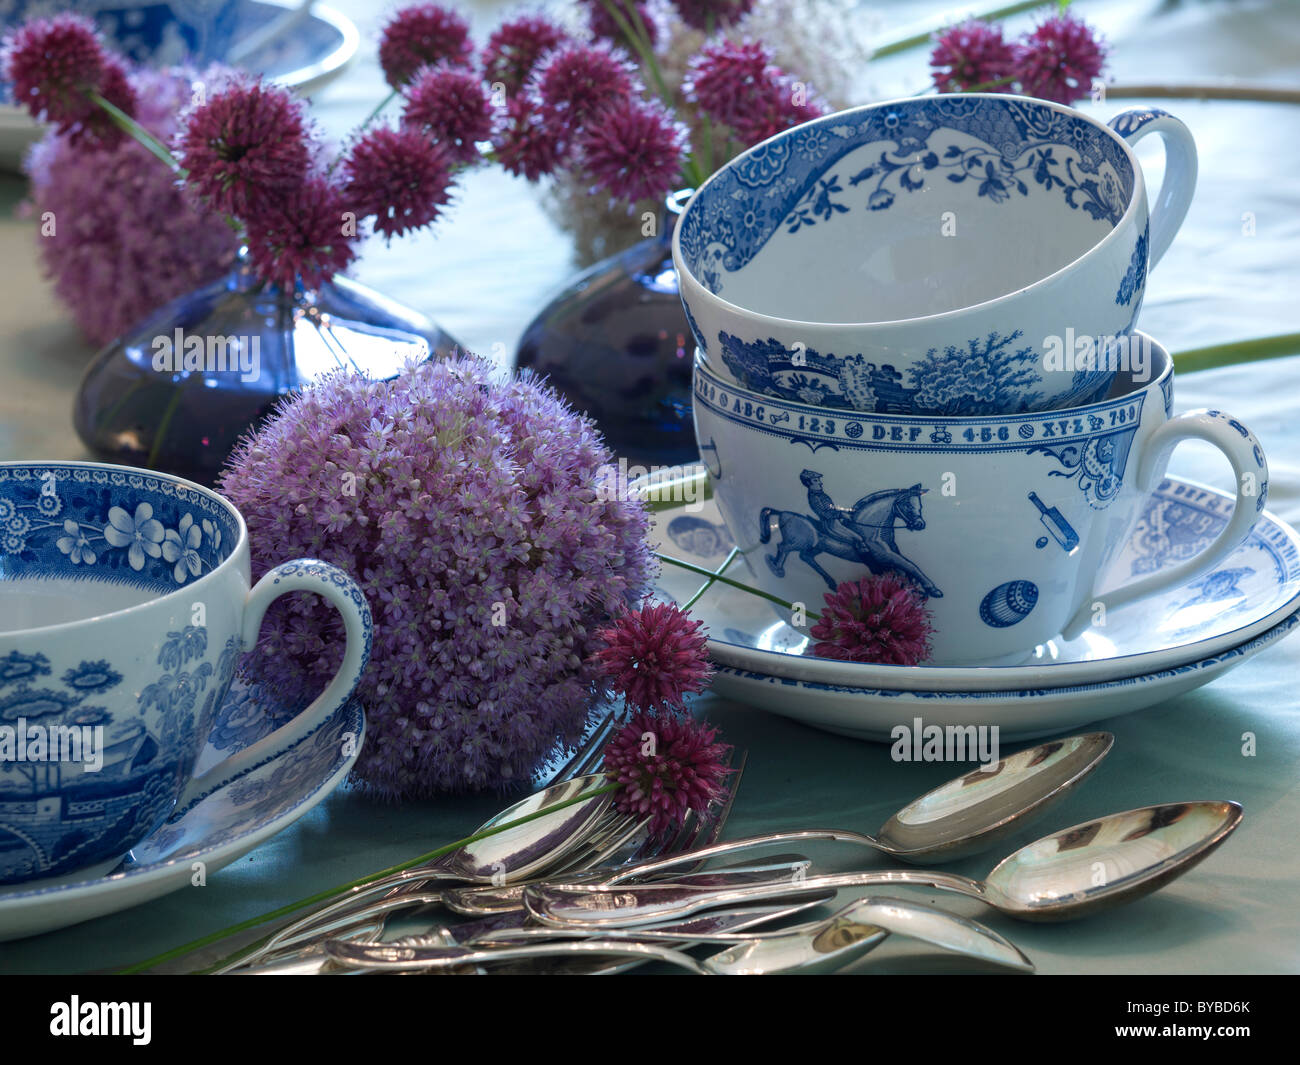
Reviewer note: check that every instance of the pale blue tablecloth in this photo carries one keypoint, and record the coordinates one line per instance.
(1235, 913)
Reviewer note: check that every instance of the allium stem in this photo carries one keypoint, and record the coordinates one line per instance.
(925, 37)
(1237, 351)
(130, 126)
(333, 893)
(726, 563)
(734, 584)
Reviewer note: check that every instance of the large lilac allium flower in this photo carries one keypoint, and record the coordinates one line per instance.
(488, 557)
(633, 150)
(453, 107)
(246, 148)
(420, 35)
(654, 657)
(398, 177)
(138, 241)
(305, 239)
(877, 619)
(973, 54)
(1060, 60)
(668, 764)
(515, 47)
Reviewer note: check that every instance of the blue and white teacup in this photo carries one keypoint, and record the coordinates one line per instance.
(125, 603)
(1007, 523)
(953, 255)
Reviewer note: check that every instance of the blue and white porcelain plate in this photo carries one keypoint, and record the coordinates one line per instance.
(1256, 589)
(221, 828)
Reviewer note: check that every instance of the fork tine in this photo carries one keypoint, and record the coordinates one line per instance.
(706, 830)
(589, 749)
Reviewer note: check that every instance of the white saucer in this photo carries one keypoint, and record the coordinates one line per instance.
(1253, 591)
(870, 714)
(223, 827)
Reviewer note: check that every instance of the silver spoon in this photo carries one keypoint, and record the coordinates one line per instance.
(964, 816)
(514, 854)
(1068, 874)
(824, 946)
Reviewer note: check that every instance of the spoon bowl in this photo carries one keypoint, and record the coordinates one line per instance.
(1068, 874)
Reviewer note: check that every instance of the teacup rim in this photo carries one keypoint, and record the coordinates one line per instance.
(702, 364)
(133, 471)
(775, 321)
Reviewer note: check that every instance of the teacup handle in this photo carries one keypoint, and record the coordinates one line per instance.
(1170, 208)
(300, 575)
(1249, 467)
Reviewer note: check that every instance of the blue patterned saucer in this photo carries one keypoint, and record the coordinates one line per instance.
(1255, 590)
(221, 828)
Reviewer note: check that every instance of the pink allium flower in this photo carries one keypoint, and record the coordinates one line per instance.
(577, 80)
(654, 657)
(1060, 59)
(303, 240)
(877, 619)
(790, 104)
(730, 82)
(668, 764)
(54, 65)
(138, 240)
(400, 177)
(604, 26)
(633, 150)
(515, 47)
(972, 54)
(246, 148)
(486, 554)
(710, 15)
(453, 107)
(420, 35)
(525, 144)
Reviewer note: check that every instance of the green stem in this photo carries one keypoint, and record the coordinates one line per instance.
(1209, 358)
(728, 581)
(129, 125)
(333, 893)
(726, 562)
(925, 37)
(160, 434)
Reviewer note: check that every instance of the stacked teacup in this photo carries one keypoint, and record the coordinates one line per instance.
(917, 354)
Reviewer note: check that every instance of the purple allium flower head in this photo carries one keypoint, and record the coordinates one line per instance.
(54, 64)
(1060, 59)
(970, 54)
(515, 47)
(400, 177)
(577, 80)
(668, 764)
(633, 150)
(246, 149)
(877, 619)
(525, 144)
(452, 106)
(730, 81)
(604, 26)
(482, 544)
(710, 15)
(139, 240)
(654, 657)
(420, 35)
(305, 239)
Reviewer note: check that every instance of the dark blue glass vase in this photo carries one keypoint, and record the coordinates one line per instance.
(179, 389)
(615, 343)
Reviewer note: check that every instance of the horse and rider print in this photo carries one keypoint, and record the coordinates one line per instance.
(863, 532)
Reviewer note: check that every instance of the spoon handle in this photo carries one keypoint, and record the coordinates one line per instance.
(833, 835)
(393, 958)
(625, 906)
